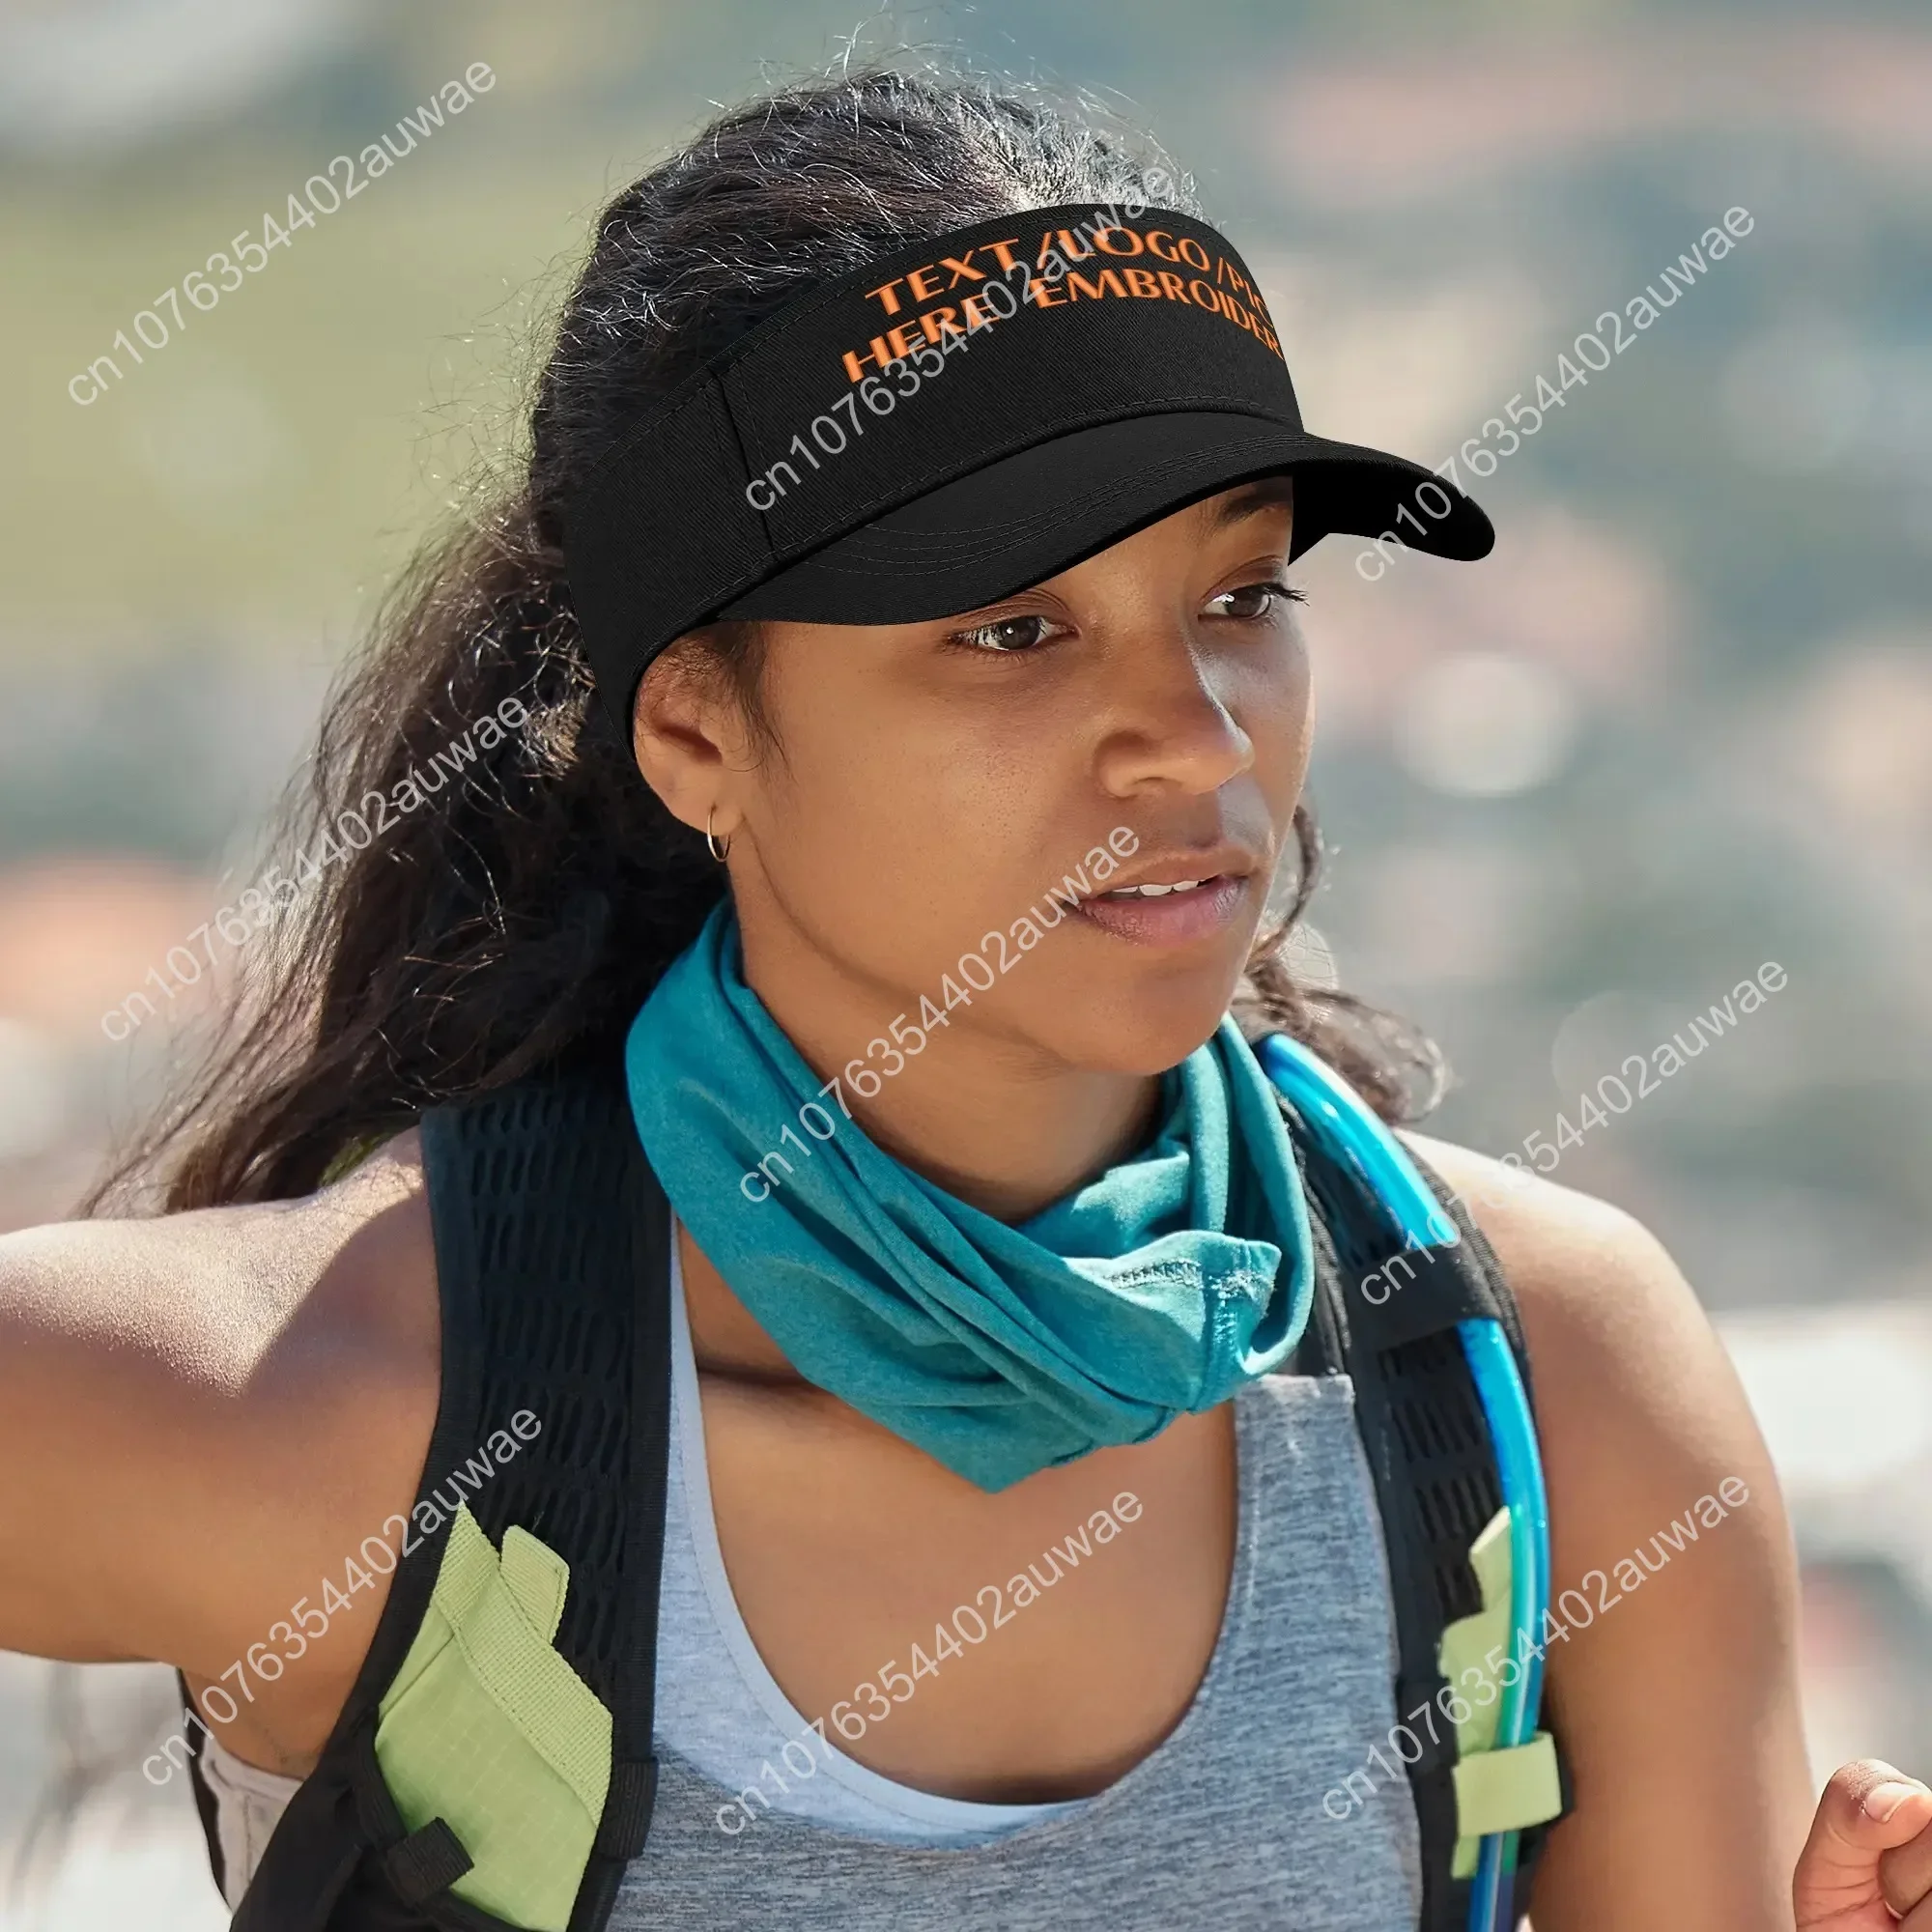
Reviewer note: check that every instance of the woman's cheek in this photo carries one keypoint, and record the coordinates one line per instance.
(1279, 717)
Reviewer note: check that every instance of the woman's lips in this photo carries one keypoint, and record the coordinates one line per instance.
(1174, 919)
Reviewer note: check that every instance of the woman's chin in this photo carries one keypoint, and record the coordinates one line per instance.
(1139, 1028)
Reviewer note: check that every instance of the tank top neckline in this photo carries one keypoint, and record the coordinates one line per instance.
(1039, 1822)
(905, 1801)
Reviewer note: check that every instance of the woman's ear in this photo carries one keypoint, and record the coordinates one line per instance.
(685, 736)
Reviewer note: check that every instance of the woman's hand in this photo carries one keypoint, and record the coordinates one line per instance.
(1870, 1848)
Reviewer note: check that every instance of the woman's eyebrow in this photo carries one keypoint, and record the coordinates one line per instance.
(1264, 494)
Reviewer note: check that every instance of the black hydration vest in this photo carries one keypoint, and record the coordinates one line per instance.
(552, 1265)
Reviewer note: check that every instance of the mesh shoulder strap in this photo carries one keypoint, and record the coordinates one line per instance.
(1429, 1452)
(551, 1247)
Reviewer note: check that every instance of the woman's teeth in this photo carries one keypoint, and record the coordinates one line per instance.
(1153, 892)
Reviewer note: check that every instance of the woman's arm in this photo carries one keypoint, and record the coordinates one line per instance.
(194, 1411)
(123, 1431)
(1678, 1702)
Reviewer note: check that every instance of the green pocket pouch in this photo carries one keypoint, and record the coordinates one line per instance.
(1495, 1790)
(487, 1728)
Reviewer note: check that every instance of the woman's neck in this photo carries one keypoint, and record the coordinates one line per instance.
(1009, 1142)
(997, 1122)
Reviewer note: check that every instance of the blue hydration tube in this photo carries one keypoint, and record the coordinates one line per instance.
(1334, 1111)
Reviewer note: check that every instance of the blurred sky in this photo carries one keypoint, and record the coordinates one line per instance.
(1678, 725)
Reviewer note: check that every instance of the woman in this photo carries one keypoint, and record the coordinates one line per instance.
(764, 800)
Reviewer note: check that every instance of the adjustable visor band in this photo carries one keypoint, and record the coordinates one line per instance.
(958, 420)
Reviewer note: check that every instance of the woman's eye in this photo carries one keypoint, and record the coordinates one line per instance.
(1005, 636)
(1255, 600)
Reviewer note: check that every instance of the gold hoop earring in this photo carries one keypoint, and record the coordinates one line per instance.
(710, 843)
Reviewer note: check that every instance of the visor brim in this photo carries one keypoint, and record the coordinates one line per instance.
(1029, 515)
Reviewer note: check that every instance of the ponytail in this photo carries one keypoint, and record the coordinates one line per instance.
(515, 910)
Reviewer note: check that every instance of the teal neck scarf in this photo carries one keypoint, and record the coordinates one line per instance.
(1153, 1291)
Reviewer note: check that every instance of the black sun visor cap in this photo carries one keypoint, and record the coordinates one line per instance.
(950, 424)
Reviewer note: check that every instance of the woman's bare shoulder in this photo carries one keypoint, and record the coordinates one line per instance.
(1669, 1535)
(1599, 1292)
(1620, 1347)
(189, 1402)
(203, 1290)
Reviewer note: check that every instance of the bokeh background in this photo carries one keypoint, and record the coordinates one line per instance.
(1677, 727)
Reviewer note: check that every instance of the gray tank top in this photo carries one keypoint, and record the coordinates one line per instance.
(1221, 1826)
